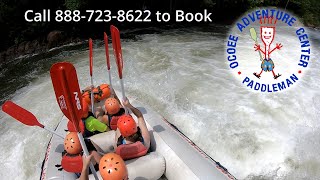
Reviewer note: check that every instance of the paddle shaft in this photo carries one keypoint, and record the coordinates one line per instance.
(106, 46)
(123, 95)
(86, 153)
(53, 132)
(109, 73)
(91, 96)
(91, 73)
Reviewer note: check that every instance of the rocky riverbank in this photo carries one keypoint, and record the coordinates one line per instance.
(38, 46)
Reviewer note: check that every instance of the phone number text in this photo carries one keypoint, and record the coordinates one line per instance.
(89, 16)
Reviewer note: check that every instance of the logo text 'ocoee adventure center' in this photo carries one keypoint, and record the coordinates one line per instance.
(268, 49)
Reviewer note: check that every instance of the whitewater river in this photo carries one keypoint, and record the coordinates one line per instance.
(183, 75)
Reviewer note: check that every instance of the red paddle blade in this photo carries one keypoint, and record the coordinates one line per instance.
(116, 44)
(65, 83)
(20, 114)
(107, 50)
(90, 56)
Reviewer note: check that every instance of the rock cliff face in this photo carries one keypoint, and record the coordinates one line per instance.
(37, 46)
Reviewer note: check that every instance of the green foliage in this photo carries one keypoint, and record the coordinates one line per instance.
(208, 3)
(309, 10)
(72, 4)
(254, 3)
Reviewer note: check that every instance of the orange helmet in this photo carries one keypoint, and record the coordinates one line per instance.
(112, 166)
(112, 106)
(127, 125)
(72, 144)
(86, 96)
(101, 92)
(85, 108)
(106, 92)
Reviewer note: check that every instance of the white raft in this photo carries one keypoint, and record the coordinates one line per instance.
(173, 154)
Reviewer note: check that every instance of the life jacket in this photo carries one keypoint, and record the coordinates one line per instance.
(114, 119)
(86, 96)
(72, 163)
(71, 128)
(130, 151)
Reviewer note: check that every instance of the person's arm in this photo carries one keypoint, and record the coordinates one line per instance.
(85, 167)
(144, 131)
(141, 123)
(88, 88)
(116, 137)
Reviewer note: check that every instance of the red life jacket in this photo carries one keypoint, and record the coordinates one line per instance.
(72, 163)
(130, 151)
(115, 118)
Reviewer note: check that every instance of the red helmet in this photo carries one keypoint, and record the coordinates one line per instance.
(127, 125)
(72, 144)
(112, 166)
(112, 106)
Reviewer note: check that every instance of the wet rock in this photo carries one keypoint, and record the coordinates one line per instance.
(2, 57)
(21, 47)
(31, 47)
(55, 38)
(11, 52)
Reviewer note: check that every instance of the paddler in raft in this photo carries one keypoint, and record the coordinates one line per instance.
(111, 167)
(132, 140)
(101, 120)
(107, 106)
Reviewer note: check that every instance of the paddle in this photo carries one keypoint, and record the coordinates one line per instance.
(116, 44)
(91, 67)
(253, 34)
(107, 57)
(65, 83)
(24, 116)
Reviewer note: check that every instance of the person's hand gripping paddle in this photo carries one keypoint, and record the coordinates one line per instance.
(65, 83)
(116, 44)
(24, 116)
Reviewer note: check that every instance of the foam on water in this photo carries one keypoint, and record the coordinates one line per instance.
(183, 75)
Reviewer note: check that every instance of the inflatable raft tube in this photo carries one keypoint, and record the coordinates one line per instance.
(183, 159)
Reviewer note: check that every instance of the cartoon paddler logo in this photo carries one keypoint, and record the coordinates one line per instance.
(268, 49)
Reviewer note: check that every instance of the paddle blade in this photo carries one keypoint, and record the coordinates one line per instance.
(90, 56)
(107, 50)
(66, 87)
(253, 34)
(115, 35)
(20, 114)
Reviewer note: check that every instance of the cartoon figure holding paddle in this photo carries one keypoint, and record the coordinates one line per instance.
(267, 32)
